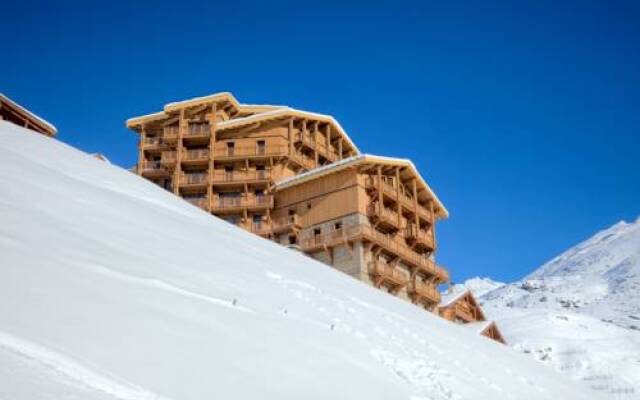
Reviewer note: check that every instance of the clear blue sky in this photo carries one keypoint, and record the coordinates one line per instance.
(524, 118)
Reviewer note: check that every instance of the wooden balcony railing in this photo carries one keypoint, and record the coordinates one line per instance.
(422, 290)
(223, 203)
(201, 202)
(149, 166)
(200, 130)
(378, 212)
(195, 155)
(152, 141)
(287, 222)
(419, 236)
(170, 133)
(389, 243)
(303, 160)
(249, 151)
(389, 187)
(168, 157)
(241, 176)
(384, 272)
(260, 228)
(194, 179)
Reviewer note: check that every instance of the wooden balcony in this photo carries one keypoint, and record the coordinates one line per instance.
(386, 274)
(240, 177)
(195, 156)
(260, 228)
(390, 189)
(153, 143)
(202, 202)
(306, 138)
(419, 238)
(235, 204)
(170, 134)
(422, 292)
(197, 131)
(153, 169)
(168, 158)
(391, 245)
(286, 223)
(194, 180)
(303, 160)
(240, 152)
(384, 217)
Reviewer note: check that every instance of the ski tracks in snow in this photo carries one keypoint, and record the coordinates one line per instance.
(73, 370)
(167, 287)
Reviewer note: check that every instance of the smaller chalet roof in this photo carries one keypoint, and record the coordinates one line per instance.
(479, 326)
(49, 127)
(448, 299)
(441, 210)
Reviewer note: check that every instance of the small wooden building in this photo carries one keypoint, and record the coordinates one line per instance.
(19, 115)
(462, 308)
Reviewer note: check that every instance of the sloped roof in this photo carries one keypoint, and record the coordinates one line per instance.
(38, 120)
(441, 210)
(256, 113)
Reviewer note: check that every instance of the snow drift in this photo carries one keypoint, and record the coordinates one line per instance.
(111, 288)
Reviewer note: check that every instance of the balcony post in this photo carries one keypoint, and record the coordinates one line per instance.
(290, 134)
(328, 140)
(398, 206)
(415, 203)
(340, 149)
(178, 170)
(380, 187)
(433, 223)
(212, 144)
(143, 134)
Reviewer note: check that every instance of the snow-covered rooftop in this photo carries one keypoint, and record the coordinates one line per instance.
(354, 160)
(47, 125)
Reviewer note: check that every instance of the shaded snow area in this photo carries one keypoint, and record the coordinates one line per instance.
(580, 312)
(111, 288)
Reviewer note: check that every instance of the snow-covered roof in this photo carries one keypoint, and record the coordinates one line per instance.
(259, 112)
(38, 120)
(449, 298)
(358, 159)
(479, 326)
(285, 112)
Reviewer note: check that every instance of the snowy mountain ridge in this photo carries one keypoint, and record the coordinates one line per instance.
(579, 312)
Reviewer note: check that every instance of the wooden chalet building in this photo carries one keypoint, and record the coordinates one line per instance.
(296, 177)
(15, 113)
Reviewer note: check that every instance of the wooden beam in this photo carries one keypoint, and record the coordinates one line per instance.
(212, 148)
(143, 134)
(177, 172)
(398, 205)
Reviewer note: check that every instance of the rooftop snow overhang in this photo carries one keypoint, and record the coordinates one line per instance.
(277, 112)
(36, 120)
(440, 210)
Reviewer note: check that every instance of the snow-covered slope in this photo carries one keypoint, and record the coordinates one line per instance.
(580, 312)
(111, 288)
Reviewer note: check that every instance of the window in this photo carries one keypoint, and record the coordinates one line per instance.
(308, 206)
(293, 239)
(261, 147)
(230, 148)
(292, 212)
(317, 232)
(337, 226)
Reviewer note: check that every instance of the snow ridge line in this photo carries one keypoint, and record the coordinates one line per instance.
(75, 371)
(168, 287)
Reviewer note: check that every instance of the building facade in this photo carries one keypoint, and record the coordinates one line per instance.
(295, 177)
